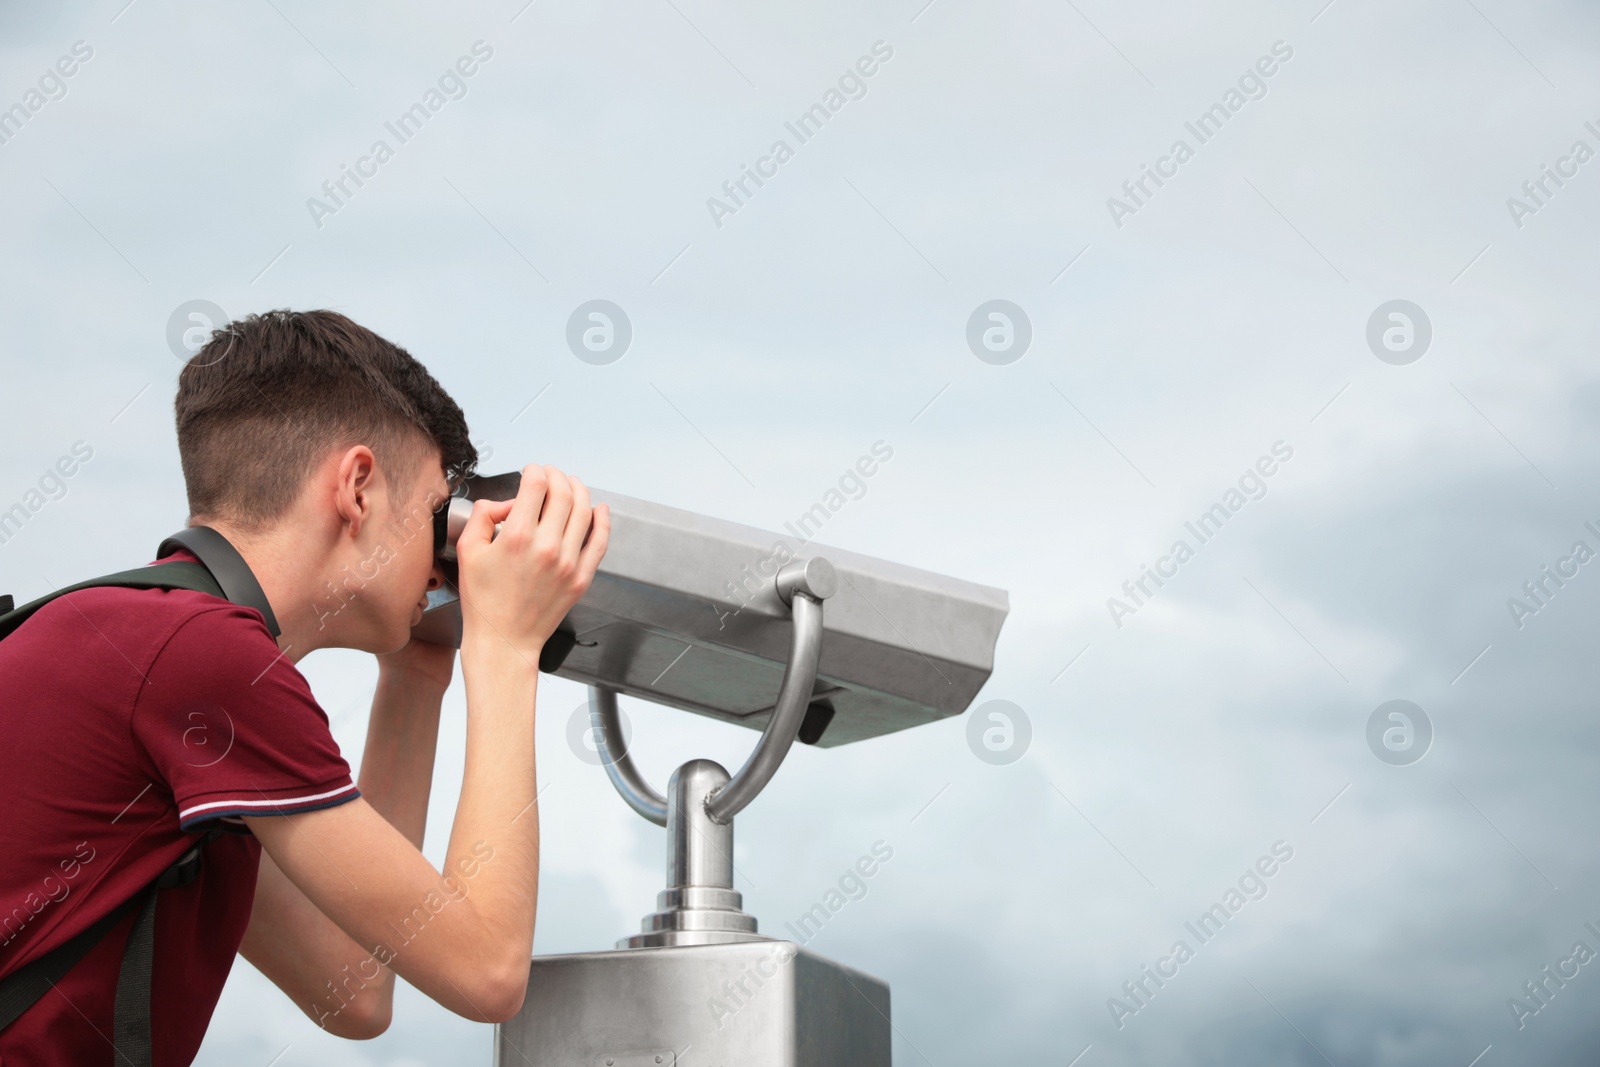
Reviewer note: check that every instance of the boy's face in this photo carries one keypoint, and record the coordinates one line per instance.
(395, 560)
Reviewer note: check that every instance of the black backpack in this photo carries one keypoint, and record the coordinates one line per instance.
(222, 573)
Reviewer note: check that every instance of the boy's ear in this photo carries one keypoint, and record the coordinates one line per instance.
(358, 472)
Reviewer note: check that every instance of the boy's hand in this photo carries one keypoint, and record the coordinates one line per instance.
(519, 585)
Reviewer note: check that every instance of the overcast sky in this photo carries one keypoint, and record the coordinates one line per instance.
(1179, 335)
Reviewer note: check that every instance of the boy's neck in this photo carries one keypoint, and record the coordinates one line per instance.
(287, 577)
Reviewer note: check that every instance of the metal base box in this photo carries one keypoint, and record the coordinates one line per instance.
(749, 1004)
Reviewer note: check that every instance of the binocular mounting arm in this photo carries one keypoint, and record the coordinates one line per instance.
(606, 724)
(803, 585)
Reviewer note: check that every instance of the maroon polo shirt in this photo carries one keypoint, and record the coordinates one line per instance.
(132, 720)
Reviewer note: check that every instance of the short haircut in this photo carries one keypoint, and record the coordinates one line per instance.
(271, 394)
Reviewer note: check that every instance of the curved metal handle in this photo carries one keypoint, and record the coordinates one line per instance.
(794, 696)
(607, 724)
(803, 585)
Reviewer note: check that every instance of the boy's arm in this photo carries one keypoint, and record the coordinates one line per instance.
(464, 937)
(289, 939)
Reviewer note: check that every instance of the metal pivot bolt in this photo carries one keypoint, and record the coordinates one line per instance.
(700, 905)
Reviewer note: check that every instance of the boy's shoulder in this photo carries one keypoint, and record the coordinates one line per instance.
(111, 636)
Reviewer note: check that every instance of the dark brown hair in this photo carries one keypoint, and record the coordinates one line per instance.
(269, 395)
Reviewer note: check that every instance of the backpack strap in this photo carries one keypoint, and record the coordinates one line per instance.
(131, 1026)
(22, 989)
(27, 984)
(221, 572)
(226, 566)
(175, 575)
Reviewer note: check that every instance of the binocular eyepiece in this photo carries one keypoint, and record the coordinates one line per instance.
(448, 522)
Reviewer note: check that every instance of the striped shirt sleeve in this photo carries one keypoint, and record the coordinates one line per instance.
(229, 727)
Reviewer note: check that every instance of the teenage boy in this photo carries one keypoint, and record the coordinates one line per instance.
(135, 721)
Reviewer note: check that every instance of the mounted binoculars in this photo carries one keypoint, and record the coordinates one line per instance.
(778, 635)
